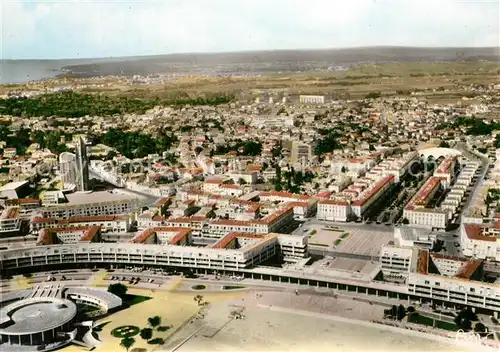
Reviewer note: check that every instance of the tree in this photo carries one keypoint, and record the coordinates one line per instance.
(127, 342)
(118, 289)
(241, 181)
(401, 312)
(410, 309)
(154, 321)
(198, 299)
(406, 221)
(480, 328)
(444, 144)
(394, 311)
(146, 334)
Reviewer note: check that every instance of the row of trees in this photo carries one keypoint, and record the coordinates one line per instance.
(247, 148)
(23, 138)
(74, 104)
(291, 180)
(328, 143)
(135, 144)
(475, 126)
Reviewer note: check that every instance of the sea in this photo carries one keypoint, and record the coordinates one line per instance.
(22, 71)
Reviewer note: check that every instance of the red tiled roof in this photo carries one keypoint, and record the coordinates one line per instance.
(422, 196)
(333, 202)
(474, 232)
(162, 201)
(374, 190)
(226, 240)
(423, 262)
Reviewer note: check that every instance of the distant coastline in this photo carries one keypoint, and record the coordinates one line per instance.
(252, 62)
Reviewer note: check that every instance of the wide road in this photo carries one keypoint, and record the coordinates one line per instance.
(479, 182)
(147, 198)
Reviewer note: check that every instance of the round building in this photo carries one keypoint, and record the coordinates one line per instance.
(37, 323)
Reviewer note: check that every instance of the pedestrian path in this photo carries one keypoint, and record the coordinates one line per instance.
(20, 283)
(176, 283)
(97, 279)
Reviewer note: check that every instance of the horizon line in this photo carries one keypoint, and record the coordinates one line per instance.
(255, 51)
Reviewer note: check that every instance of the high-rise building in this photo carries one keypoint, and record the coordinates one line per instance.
(300, 152)
(82, 164)
(74, 168)
(67, 169)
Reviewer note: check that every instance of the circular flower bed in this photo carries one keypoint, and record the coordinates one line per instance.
(125, 331)
(198, 287)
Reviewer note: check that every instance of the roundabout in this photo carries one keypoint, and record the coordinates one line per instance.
(125, 331)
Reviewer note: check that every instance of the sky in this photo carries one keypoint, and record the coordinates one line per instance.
(45, 29)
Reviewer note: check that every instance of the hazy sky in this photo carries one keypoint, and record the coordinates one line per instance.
(103, 28)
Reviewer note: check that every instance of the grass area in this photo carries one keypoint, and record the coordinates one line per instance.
(125, 331)
(198, 287)
(234, 287)
(156, 341)
(318, 244)
(163, 328)
(423, 320)
(312, 233)
(337, 242)
(334, 230)
(344, 235)
(134, 299)
(86, 308)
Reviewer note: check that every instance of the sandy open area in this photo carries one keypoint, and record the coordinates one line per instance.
(271, 329)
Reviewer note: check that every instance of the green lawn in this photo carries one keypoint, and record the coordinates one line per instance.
(134, 299)
(125, 331)
(319, 244)
(344, 235)
(337, 242)
(198, 287)
(423, 320)
(229, 287)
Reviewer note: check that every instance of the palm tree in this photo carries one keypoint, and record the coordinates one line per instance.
(198, 299)
(154, 321)
(127, 342)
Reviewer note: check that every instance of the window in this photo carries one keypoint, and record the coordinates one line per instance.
(426, 282)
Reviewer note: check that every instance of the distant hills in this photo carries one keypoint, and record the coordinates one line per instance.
(254, 62)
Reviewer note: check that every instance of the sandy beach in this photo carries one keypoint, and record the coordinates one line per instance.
(274, 329)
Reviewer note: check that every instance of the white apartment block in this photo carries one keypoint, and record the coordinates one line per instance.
(248, 254)
(110, 223)
(481, 241)
(416, 211)
(432, 218)
(10, 221)
(115, 207)
(407, 236)
(445, 170)
(312, 99)
(333, 210)
(396, 261)
(370, 195)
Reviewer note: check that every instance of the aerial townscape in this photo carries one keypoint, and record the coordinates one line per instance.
(307, 200)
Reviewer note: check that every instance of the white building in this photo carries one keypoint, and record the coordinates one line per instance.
(312, 99)
(10, 221)
(407, 236)
(68, 170)
(333, 210)
(481, 241)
